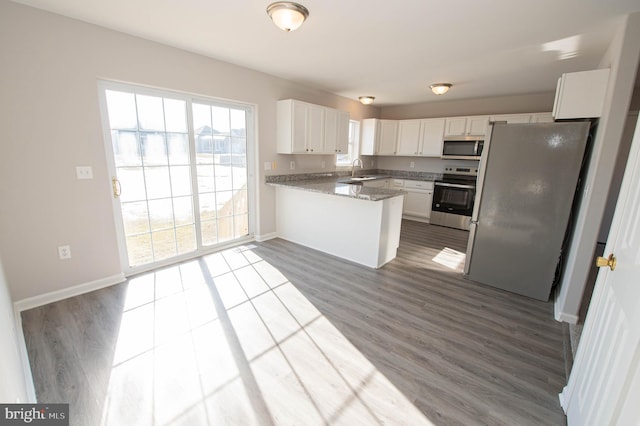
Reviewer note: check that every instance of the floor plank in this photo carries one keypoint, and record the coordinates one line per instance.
(275, 334)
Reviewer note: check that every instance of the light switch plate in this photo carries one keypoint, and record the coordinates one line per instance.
(84, 172)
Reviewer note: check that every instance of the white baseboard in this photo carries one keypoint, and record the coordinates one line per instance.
(415, 218)
(564, 317)
(265, 237)
(54, 296)
(24, 358)
(562, 398)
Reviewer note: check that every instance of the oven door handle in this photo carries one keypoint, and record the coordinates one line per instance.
(454, 185)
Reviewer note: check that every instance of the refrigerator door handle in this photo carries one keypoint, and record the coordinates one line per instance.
(472, 236)
(482, 170)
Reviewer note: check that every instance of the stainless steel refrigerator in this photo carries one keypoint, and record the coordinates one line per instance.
(525, 190)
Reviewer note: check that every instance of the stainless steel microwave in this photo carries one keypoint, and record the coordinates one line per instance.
(462, 147)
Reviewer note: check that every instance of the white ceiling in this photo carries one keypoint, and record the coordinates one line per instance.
(392, 50)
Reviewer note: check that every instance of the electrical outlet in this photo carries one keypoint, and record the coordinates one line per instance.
(84, 172)
(323, 164)
(64, 252)
(412, 164)
(292, 165)
(267, 166)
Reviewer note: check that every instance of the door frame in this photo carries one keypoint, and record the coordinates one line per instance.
(251, 156)
(603, 340)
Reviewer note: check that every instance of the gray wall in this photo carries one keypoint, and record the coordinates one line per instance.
(50, 120)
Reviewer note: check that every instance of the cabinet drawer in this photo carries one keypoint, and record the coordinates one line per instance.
(418, 184)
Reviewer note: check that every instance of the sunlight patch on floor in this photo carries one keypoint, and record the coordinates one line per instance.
(451, 258)
(227, 339)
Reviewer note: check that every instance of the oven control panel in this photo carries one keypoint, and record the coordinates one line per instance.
(461, 170)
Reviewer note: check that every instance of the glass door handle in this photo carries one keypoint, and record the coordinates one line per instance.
(115, 185)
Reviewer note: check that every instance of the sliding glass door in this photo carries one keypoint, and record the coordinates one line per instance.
(180, 176)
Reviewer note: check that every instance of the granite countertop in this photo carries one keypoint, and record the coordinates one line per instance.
(337, 186)
(335, 183)
(376, 173)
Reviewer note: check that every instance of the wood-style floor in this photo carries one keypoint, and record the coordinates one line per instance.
(277, 334)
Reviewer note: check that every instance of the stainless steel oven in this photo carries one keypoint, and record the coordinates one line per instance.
(453, 197)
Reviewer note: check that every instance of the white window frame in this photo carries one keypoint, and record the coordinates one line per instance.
(354, 145)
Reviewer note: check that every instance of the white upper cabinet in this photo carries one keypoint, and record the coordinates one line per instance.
(456, 126)
(540, 117)
(342, 144)
(409, 137)
(379, 137)
(420, 137)
(466, 126)
(315, 129)
(305, 128)
(388, 132)
(512, 118)
(581, 94)
(432, 134)
(336, 131)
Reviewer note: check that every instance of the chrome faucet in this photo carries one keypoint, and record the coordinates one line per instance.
(353, 166)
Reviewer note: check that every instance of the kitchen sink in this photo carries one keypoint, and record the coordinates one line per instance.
(361, 178)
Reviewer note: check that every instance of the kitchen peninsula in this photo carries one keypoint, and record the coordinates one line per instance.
(352, 221)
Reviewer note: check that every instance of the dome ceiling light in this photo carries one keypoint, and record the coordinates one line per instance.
(287, 16)
(440, 88)
(366, 100)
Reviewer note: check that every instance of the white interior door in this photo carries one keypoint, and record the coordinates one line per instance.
(604, 385)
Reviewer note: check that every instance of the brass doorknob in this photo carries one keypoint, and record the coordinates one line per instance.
(604, 261)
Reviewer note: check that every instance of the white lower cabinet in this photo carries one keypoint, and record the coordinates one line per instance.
(417, 200)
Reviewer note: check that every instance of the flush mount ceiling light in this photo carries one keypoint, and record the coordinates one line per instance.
(440, 88)
(366, 100)
(286, 15)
